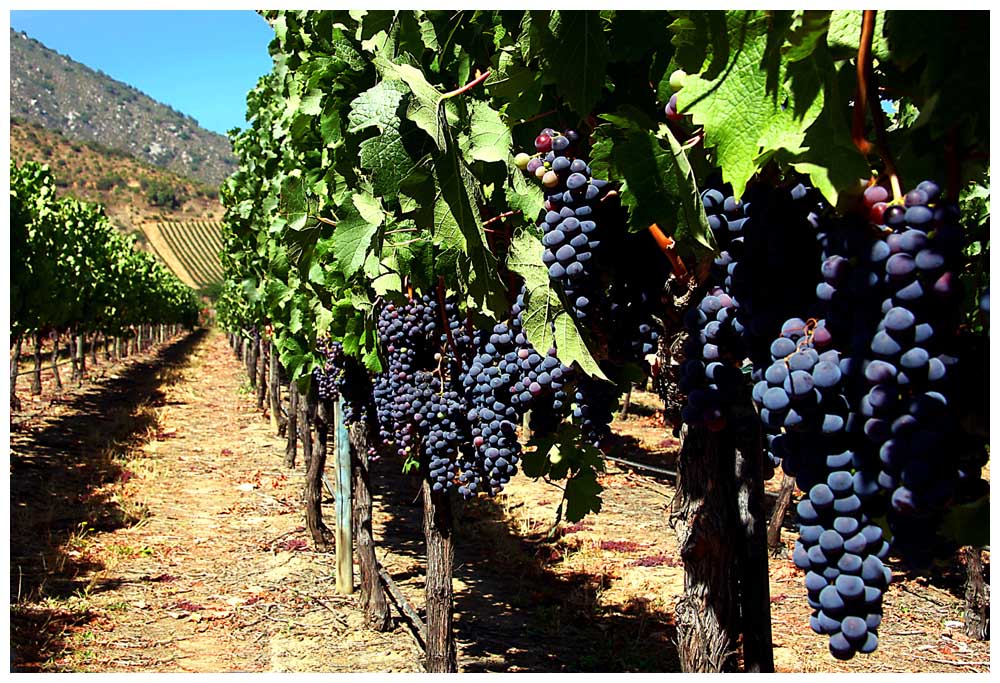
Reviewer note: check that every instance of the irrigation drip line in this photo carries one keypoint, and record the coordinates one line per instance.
(659, 470)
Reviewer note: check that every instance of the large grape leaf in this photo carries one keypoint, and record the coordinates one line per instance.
(844, 34)
(489, 138)
(425, 108)
(575, 57)
(521, 195)
(657, 182)
(809, 26)
(516, 85)
(358, 222)
(546, 323)
(384, 155)
(455, 207)
(378, 106)
(828, 156)
(742, 116)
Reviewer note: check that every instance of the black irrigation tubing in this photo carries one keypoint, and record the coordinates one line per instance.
(659, 470)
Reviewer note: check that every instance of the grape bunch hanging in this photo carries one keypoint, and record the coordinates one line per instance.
(855, 392)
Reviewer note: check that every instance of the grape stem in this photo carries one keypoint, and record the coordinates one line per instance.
(668, 247)
(862, 103)
(444, 316)
(505, 214)
(468, 86)
(540, 116)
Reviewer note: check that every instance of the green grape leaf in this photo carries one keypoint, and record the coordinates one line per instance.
(353, 235)
(344, 50)
(457, 189)
(743, 117)
(489, 138)
(583, 494)
(312, 103)
(828, 156)
(516, 85)
(844, 34)
(546, 323)
(378, 106)
(534, 33)
(657, 181)
(575, 57)
(386, 158)
(522, 195)
(807, 31)
(425, 108)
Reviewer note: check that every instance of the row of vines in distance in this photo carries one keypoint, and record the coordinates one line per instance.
(196, 245)
(72, 270)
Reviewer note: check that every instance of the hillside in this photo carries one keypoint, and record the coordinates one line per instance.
(174, 217)
(63, 95)
(133, 192)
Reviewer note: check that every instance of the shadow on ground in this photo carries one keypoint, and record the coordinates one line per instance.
(60, 471)
(513, 612)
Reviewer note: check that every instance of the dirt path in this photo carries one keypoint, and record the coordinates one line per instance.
(209, 571)
(155, 528)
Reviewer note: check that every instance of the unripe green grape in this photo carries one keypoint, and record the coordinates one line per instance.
(677, 79)
(521, 160)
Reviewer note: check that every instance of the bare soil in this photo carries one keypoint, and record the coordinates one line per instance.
(154, 528)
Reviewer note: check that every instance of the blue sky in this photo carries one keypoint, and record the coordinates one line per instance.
(201, 63)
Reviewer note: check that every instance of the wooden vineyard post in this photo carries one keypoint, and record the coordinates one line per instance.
(36, 375)
(274, 392)
(293, 425)
(441, 655)
(977, 596)
(344, 498)
(81, 357)
(55, 363)
(315, 457)
(373, 598)
(253, 346)
(774, 544)
(13, 370)
(71, 353)
(262, 348)
(754, 587)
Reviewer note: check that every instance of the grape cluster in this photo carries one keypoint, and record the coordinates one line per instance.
(343, 376)
(399, 391)
(593, 263)
(493, 415)
(912, 368)
(714, 351)
(802, 400)
(571, 235)
(858, 401)
(329, 377)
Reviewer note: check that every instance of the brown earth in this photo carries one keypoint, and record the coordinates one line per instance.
(154, 528)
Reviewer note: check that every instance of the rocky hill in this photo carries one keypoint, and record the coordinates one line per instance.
(133, 192)
(63, 95)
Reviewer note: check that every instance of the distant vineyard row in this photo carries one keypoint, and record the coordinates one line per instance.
(190, 248)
